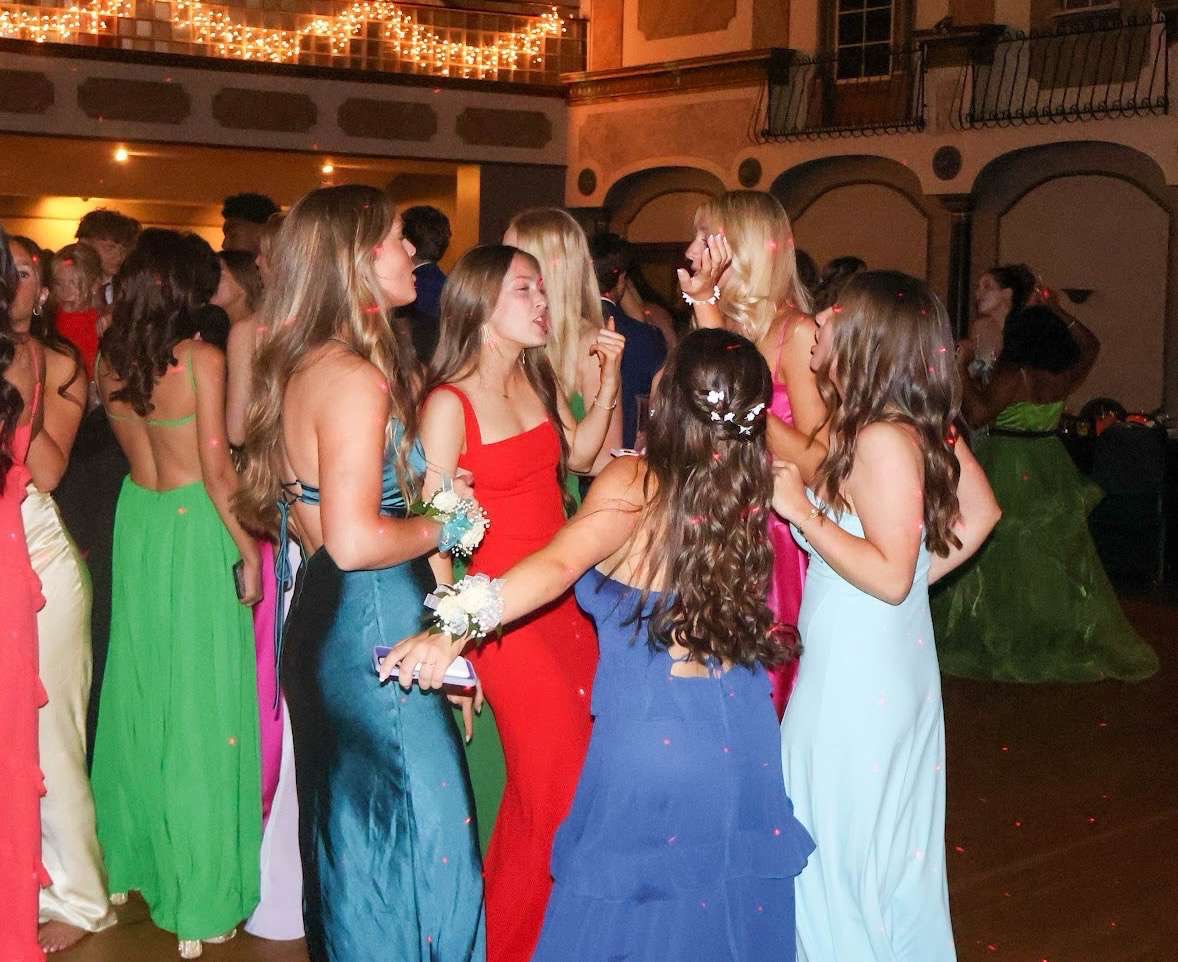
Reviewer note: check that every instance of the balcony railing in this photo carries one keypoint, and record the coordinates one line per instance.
(1089, 72)
(806, 98)
(517, 42)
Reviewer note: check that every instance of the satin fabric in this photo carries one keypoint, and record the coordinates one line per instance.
(269, 712)
(69, 842)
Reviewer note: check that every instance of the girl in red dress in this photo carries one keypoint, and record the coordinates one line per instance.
(495, 410)
(22, 373)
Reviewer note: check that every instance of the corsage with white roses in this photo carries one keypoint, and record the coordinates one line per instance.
(463, 520)
(472, 608)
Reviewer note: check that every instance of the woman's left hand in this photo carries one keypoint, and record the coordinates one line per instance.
(429, 653)
(470, 702)
(607, 347)
(789, 492)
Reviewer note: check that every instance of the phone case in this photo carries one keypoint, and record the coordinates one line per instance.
(460, 673)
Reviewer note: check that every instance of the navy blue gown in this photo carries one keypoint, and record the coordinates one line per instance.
(391, 864)
(681, 842)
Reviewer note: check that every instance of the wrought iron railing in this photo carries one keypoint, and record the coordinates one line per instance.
(806, 98)
(1088, 72)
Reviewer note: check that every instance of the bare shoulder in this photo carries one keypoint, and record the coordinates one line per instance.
(890, 441)
(203, 355)
(242, 334)
(60, 368)
(442, 405)
(623, 479)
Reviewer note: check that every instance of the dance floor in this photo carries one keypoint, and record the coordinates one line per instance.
(1062, 824)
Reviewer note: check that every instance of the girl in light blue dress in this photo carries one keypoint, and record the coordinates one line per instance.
(895, 505)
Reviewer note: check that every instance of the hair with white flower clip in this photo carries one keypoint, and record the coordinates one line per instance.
(707, 500)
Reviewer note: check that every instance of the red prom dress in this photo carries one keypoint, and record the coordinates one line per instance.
(537, 679)
(21, 694)
(789, 560)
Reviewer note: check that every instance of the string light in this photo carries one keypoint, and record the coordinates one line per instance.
(195, 22)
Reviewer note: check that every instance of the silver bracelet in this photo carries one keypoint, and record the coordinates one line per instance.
(714, 299)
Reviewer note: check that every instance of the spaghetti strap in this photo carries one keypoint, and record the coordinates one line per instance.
(473, 437)
(780, 349)
(191, 376)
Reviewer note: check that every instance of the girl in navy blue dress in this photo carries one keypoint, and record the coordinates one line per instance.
(681, 842)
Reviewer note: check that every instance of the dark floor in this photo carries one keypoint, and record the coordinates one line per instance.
(1062, 824)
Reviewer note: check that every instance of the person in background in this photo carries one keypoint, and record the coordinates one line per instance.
(244, 216)
(646, 349)
(22, 382)
(428, 230)
(212, 322)
(239, 289)
(79, 313)
(111, 235)
(75, 903)
(834, 275)
(1036, 605)
(808, 275)
(898, 502)
(1000, 294)
(175, 778)
(640, 301)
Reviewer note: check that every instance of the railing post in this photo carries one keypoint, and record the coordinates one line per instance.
(959, 295)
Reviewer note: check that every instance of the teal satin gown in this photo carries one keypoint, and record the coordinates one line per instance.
(391, 862)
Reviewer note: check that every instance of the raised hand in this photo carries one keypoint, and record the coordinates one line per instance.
(717, 255)
(607, 347)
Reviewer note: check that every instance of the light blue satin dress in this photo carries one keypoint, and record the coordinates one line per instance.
(863, 755)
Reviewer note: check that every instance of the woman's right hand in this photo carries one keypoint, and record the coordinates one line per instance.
(717, 256)
(789, 492)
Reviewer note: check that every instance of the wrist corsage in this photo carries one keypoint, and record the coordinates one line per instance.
(463, 520)
(472, 608)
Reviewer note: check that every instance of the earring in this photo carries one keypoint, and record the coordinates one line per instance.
(37, 311)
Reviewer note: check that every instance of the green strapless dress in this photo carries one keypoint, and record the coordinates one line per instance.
(1035, 605)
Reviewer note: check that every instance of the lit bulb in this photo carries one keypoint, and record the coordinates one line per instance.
(121, 155)
(327, 169)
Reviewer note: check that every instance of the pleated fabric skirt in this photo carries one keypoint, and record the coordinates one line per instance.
(176, 769)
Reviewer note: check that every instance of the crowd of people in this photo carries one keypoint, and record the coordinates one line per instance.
(256, 504)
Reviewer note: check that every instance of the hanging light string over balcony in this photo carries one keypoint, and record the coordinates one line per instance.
(216, 28)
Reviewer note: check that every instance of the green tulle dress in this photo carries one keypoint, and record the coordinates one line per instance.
(484, 752)
(1035, 605)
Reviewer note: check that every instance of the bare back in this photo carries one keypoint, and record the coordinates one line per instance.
(162, 447)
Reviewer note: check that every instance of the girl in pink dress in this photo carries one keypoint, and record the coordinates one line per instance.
(22, 370)
(744, 277)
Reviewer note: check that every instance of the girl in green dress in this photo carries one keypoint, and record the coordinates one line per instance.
(1035, 604)
(176, 780)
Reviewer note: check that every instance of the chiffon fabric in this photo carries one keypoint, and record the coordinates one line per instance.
(69, 842)
(681, 842)
(789, 560)
(21, 694)
(1034, 604)
(537, 677)
(391, 866)
(863, 753)
(176, 771)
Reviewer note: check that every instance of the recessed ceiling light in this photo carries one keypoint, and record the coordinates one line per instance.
(121, 155)
(327, 168)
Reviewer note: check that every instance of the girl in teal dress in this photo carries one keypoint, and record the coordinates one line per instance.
(1036, 605)
(391, 864)
(895, 506)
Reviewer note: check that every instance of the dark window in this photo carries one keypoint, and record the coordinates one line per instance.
(863, 38)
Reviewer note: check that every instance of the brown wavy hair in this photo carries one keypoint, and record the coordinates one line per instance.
(707, 489)
(43, 326)
(11, 402)
(892, 360)
(324, 287)
(156, 296)
(468, 299)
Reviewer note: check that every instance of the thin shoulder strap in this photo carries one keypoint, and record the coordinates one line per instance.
(191, 375)
(474, 438)
(781, 345)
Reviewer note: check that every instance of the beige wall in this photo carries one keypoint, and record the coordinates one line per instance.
(847, 221)
(1118, 249)
(666, 219)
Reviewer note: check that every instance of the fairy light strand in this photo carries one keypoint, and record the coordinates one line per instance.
(197, 23)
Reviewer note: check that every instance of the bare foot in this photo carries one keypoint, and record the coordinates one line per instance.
(58, 936)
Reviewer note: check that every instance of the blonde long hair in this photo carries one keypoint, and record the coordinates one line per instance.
(559, 244)
(324, 286)
(763, 278)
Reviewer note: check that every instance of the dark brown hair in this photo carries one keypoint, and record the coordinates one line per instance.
(156, 293)
(892, 356)
(105, 224)
(468, 299)
(708, 488)
(42, 326)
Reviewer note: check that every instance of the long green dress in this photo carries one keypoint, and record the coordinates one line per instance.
(1035, 605)
(176, 779)
(484, 752)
